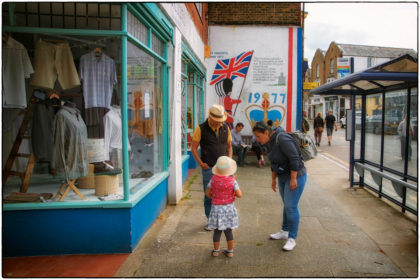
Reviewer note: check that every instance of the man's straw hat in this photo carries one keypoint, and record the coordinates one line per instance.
(225, 166)
(217, 113)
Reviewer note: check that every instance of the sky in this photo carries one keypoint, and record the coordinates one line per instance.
(374, 24)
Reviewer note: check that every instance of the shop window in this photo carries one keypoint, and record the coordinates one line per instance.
(75, 132)
(157, 45)
(136, 28)
(373, 129)
(67, 15)
(395, 106)
(358, 127)
(317, 71)
(145, 123)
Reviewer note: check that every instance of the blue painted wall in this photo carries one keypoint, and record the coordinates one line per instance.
(65, 231)
(185, 168)
(145, 213)
(81, 231)
(192, 163)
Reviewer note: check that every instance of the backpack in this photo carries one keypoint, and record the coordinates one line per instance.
(305, 144)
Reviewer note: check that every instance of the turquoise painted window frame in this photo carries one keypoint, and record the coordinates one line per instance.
(150, 15)
(193, 65)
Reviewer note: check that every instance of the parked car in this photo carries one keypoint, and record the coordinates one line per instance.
(374, 124)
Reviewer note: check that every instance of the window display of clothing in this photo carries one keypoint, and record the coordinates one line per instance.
(112, 127)
(16, 67)
(142, 114)
(52, 60)
(69, 157)
(98, 74)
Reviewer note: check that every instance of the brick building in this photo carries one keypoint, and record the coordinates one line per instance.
(359, 57)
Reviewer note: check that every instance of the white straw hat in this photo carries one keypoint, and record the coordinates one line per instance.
(217, 113)
(225, 166)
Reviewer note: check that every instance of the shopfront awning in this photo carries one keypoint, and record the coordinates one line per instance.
(401, 72)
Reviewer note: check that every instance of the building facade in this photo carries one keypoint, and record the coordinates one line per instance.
(341, 60)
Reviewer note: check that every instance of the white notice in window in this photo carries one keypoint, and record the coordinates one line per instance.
(146, 105)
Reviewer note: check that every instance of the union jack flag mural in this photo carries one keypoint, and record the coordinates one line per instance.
(231, 68)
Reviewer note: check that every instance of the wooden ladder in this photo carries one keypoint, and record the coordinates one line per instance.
(14, 153)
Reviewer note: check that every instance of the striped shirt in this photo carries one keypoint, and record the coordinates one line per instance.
(98, 76)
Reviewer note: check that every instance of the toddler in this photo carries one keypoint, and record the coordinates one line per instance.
(222, 189)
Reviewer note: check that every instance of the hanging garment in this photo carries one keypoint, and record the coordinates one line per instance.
(69, 157)
(113, 134)
(16, 67)
(52, 61)
(99, 76)
(94, 120)
(42, 136)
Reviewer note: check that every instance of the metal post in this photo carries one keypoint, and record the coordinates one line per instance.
(407, 143)
(362, 136)
(352, 141)
(382, 139)
(124, 117)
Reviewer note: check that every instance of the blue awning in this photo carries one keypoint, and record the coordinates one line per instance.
(401, 72)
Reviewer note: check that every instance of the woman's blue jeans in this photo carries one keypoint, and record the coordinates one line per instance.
(207, 174)
(291, 216)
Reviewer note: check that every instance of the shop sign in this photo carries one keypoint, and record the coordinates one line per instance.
(343, 67)
(310, 85)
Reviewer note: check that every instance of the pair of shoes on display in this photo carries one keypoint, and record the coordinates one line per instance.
(103, 167)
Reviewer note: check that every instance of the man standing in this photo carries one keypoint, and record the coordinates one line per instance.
(402, 132)
(330, 123)
(238, 145)
(215, 140)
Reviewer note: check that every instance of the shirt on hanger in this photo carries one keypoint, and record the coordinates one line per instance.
(112, 131)
(98, 76)
(69, 157)
(16, 67)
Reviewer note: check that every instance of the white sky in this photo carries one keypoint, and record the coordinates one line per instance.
(374, 24)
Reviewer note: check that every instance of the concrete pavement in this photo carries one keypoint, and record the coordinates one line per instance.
(343, 232)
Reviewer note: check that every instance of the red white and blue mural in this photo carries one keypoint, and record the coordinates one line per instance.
(255, 75)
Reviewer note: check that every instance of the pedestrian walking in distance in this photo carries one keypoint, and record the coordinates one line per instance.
(318, 128)
(330, 123)
(288, 169)
(222, 189)
(215, 140)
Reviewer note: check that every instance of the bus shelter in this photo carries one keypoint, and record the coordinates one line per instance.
(383, 148)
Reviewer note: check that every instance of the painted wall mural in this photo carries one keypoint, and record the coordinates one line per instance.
(252, 72)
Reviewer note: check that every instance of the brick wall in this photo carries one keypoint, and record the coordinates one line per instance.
(332, 53)
(318, 60)
(231, 13)
(199, 22)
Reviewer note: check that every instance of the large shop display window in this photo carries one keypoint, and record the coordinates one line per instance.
(67, 144)
(145, 131)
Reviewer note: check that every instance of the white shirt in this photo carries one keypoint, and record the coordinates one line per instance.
(112, 131)
(16, 67)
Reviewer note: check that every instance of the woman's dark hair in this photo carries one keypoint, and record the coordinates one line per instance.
(261, 127)
(270, 122)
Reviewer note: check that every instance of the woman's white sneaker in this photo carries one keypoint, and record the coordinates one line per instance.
(280, 235)
(290, 244)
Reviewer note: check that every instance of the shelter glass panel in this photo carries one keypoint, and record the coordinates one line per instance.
(395, 105)
(413, 139)
(145, 118)
(373, 127)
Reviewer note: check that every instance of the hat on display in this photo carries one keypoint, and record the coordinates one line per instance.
(217, 113)
(225, 166)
